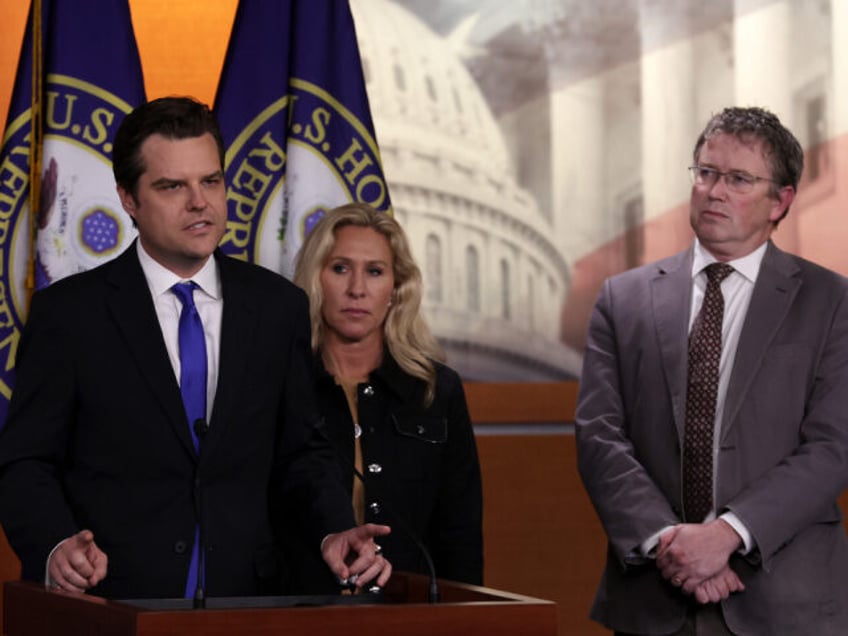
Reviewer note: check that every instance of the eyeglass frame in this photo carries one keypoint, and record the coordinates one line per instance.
(718, 174)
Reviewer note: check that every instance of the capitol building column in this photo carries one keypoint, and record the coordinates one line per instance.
(839, 38)
(761, 42)
(577, 176)
(669, 117)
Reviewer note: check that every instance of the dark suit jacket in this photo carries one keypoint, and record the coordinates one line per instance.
(783, 451)
(97, 436)
(422, 474)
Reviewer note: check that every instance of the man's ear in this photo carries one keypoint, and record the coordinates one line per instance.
(127, 201)
(785, 197)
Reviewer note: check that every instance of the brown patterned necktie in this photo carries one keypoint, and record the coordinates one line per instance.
(701, 394)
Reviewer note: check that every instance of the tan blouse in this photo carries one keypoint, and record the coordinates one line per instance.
(349, 387)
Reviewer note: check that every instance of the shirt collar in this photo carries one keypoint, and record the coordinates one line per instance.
(160, 279)
(748, 266)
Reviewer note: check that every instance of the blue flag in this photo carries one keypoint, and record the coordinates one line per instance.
(91, 77)
(297, 126)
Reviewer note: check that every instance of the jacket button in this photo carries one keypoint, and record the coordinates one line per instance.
(180, 547)
(374, 507)
(375, 469)
(368, 391)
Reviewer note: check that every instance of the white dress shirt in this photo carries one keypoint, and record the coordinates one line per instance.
(210, 306)
(736, 289)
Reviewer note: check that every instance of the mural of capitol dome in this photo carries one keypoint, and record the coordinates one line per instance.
(494, 282)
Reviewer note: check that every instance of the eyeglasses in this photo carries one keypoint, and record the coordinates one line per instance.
(735, 180)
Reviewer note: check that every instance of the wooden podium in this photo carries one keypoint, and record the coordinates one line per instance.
(30, 610)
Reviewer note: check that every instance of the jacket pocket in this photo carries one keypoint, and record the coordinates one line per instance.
(433, 430)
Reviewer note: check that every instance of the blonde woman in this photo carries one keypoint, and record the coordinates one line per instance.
(391, 408)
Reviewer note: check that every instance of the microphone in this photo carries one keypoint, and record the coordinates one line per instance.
(201, 428)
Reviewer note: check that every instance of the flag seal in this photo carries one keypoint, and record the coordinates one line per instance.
(14, 241)
(306, 137)
(81, 223)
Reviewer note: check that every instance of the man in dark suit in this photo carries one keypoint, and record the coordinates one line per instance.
(105, 481)
(767, 552)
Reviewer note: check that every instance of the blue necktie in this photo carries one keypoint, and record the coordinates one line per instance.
(192, 358)
(193, 389)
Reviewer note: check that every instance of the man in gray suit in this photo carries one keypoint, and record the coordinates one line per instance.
(768, 553)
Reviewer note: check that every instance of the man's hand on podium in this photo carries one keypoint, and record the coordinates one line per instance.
(77, 564)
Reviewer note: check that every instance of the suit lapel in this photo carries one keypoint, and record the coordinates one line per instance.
(237, 333)
(132, 309)
(671, 293)
(774, 292)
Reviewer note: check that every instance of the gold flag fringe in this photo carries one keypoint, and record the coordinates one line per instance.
(35, 149)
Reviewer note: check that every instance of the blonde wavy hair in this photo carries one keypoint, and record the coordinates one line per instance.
(405, 332)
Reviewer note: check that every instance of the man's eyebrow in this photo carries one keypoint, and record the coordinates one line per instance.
(167, 181)
(218, 174)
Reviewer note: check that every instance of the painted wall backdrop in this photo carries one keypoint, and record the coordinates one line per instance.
(535, 147)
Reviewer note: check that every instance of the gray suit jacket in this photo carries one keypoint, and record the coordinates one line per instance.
(783, 449)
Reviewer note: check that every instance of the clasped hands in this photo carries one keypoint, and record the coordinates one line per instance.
(694, 558)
